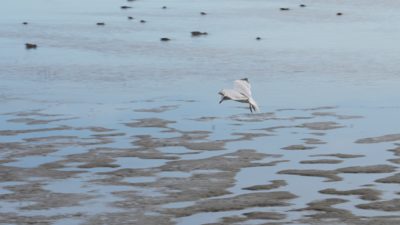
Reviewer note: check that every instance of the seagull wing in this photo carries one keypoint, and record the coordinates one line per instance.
(234, 95)
(243, 86)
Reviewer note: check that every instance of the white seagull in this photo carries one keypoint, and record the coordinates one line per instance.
(241, 92)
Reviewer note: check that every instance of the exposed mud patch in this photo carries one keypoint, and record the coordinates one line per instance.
(379, 139)
(321, 161)
(298, 147)
(326, 211)
(364, 193)
(274, 184)
(150, 122)
(313, 141)
(391, 205)
(331, 175)
(339, 155)
(263, 199)
(395, 179)
(321, 125)
(333, 114)
(159, 109)
(368, 169)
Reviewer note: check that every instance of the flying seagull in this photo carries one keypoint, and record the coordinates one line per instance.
(241, 92)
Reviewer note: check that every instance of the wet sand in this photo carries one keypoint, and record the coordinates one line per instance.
(167, 175)
(109, 125)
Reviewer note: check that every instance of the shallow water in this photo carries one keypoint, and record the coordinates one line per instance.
(67, 106)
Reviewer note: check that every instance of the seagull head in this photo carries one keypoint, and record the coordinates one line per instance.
(222, 93)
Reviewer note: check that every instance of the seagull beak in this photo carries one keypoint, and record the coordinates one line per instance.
(222, 99)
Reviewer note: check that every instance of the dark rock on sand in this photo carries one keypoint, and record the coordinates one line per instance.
(302, 5)
(25, 23)
(198, 33)
(339, 14)
(258, 38)
(100, 24)
(364, 193)
(368, 169)
(130, 18)
(165, 39)
(284, 9)
(126, 7)
(30, 46)
(143, 21)
(203, 13)
(164, 7)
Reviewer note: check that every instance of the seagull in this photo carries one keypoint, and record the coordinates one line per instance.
(241, 92)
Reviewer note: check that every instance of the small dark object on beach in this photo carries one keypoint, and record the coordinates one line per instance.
(126, 7)
(284, 9)
(130, 0)
(30, 46)
(165, 39)
(100, 24)
(258, 38)
(302, 5)
(143, 21)
(130, 18)
(339, 14)
(25, 23)
(203, 13)
(198, 33)
(164, 7)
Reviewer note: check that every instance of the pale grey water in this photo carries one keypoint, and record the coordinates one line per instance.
(307, 58)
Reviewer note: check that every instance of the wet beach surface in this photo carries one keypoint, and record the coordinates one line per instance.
(106, 124)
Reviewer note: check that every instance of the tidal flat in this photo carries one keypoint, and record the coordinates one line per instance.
(106, 121)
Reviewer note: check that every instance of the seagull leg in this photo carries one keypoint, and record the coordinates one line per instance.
(251, 110)
(254, 108)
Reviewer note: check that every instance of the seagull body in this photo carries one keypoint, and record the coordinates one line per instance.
(241, 92)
